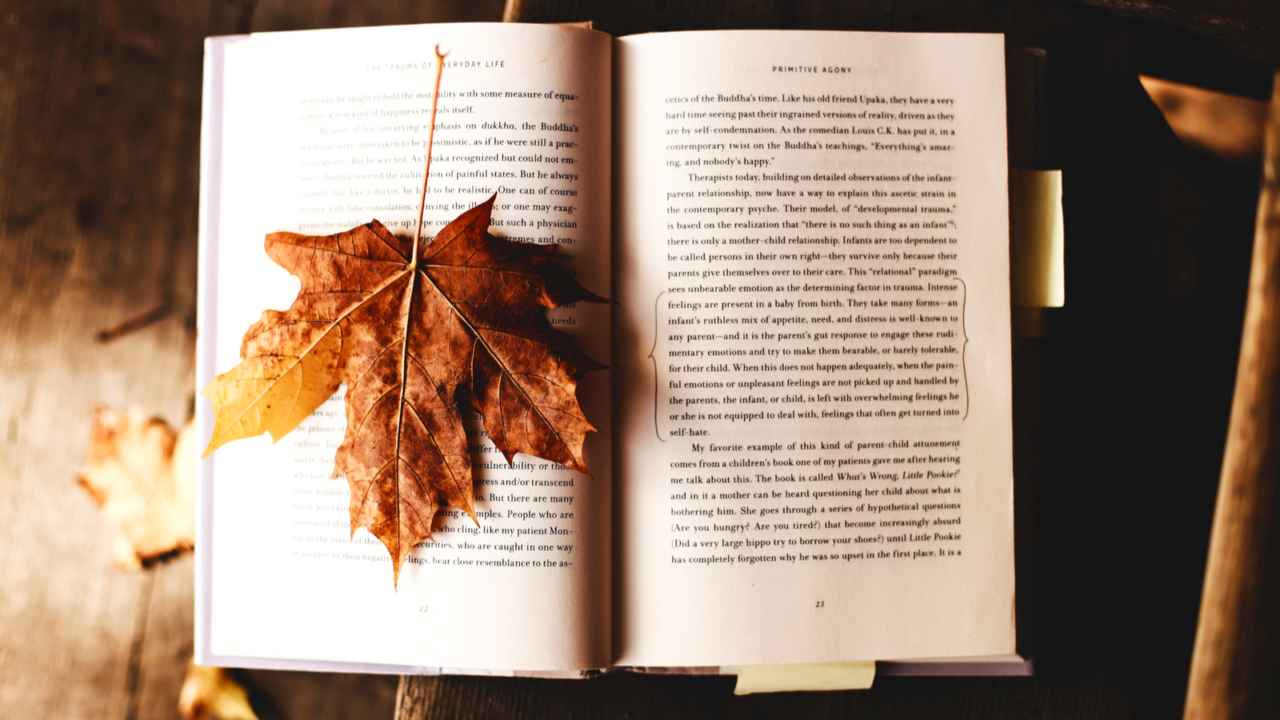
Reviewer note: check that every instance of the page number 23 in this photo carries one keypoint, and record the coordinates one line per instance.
(820, 603)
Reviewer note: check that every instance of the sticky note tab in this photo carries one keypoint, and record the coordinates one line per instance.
(805, 676)
(1036, 238)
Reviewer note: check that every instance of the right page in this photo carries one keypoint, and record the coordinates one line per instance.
(812, 355)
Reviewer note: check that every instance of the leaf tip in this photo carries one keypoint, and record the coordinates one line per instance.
(214, 444)
(485, 210)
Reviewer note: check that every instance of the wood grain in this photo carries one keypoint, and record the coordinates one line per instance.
(1235, 671)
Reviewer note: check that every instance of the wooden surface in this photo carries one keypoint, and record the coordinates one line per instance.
(99, 169)
(99, 131)
(1235, 672)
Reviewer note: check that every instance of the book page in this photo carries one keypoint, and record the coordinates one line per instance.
(318, 132)
(814, 450)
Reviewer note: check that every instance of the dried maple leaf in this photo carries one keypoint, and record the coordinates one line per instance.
(143, 477)
(211, 692)
(406, 335)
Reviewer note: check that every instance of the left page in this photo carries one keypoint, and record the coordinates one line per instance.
(319, 132)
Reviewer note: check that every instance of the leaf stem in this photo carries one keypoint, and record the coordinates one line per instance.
(426, 174)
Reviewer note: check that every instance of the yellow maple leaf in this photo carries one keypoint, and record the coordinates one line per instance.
(142, 474)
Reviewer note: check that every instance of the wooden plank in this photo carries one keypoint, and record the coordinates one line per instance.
(1235, 672)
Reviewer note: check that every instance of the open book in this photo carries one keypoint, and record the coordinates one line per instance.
(805, 447)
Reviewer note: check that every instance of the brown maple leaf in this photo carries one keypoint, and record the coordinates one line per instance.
(407, 335)
(142, 474)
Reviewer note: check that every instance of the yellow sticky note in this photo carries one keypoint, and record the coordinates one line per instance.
(1036, 239)
(805, 676)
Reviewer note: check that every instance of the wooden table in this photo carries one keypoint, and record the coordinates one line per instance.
(99, 132)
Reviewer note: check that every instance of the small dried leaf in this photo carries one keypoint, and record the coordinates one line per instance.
(211, 692)
(406, 335)
(143, 477)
